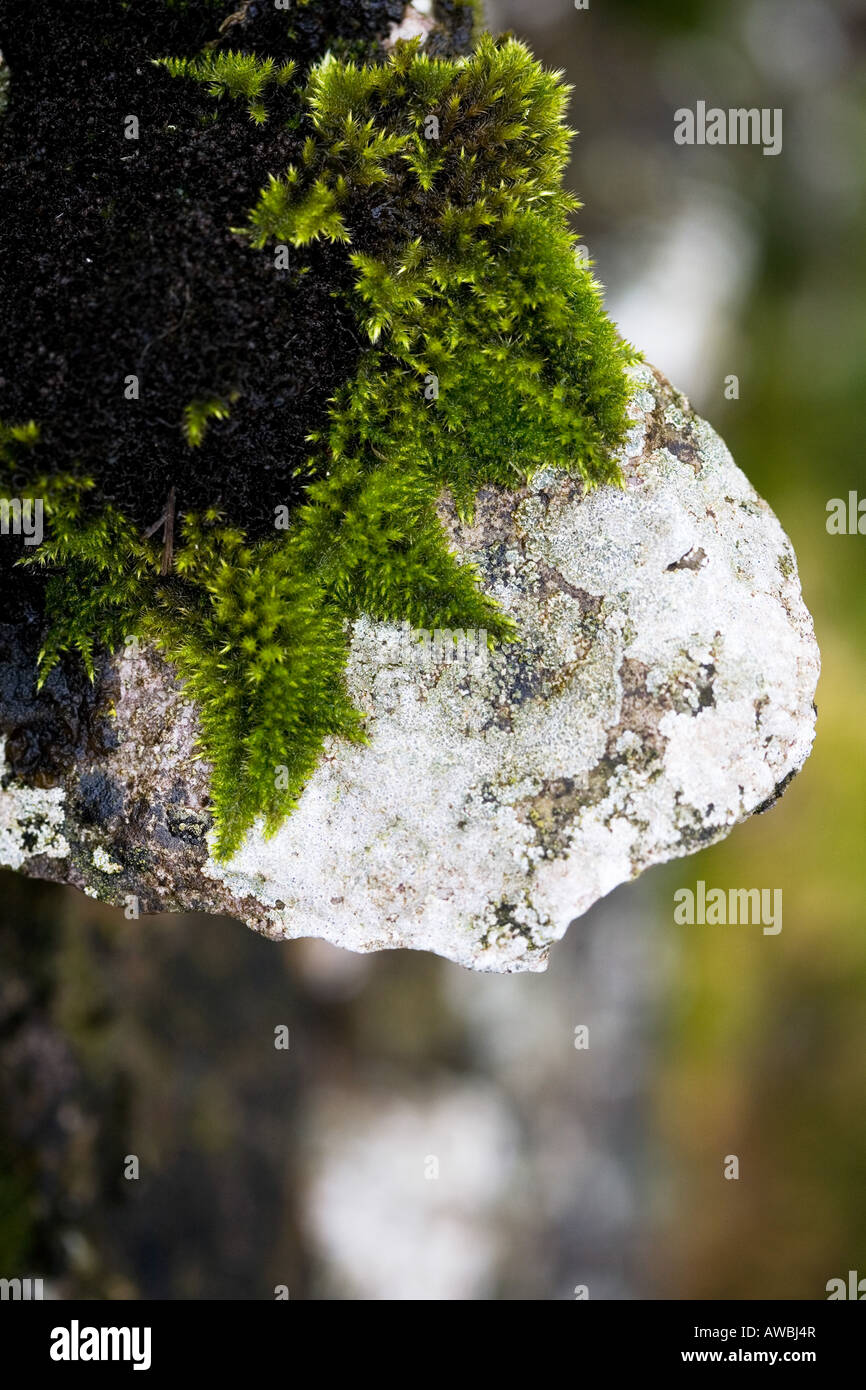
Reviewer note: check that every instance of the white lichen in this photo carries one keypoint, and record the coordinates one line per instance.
(31, 820)
(102, 860)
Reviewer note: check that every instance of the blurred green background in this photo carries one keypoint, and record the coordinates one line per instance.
(310, 1168)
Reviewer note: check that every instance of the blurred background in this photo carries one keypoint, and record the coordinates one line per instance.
(434, 1134)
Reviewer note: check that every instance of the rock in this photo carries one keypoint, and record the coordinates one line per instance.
(415, 24)
(661, 691)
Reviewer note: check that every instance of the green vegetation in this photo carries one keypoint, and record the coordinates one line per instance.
(489, 356)
(236, 75)
(198, 416)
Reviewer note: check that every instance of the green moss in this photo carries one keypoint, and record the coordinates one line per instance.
(198, 416)
(236, 75)
(15, 439)
(488, 356)
(483, 326)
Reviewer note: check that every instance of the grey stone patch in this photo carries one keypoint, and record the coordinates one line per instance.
(660, 691)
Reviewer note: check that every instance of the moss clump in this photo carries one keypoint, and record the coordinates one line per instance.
(483, 353)
(490, 354)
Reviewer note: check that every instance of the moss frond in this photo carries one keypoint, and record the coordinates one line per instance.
(14, 437)
(261, 646)
(239, 76)
(101, 573)
(282, 215)
(198, 415)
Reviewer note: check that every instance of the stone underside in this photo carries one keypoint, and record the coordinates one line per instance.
(660, 692)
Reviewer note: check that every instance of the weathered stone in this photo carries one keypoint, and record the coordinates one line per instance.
(661, 691)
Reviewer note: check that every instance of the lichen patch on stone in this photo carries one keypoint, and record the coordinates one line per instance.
(31, 820)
